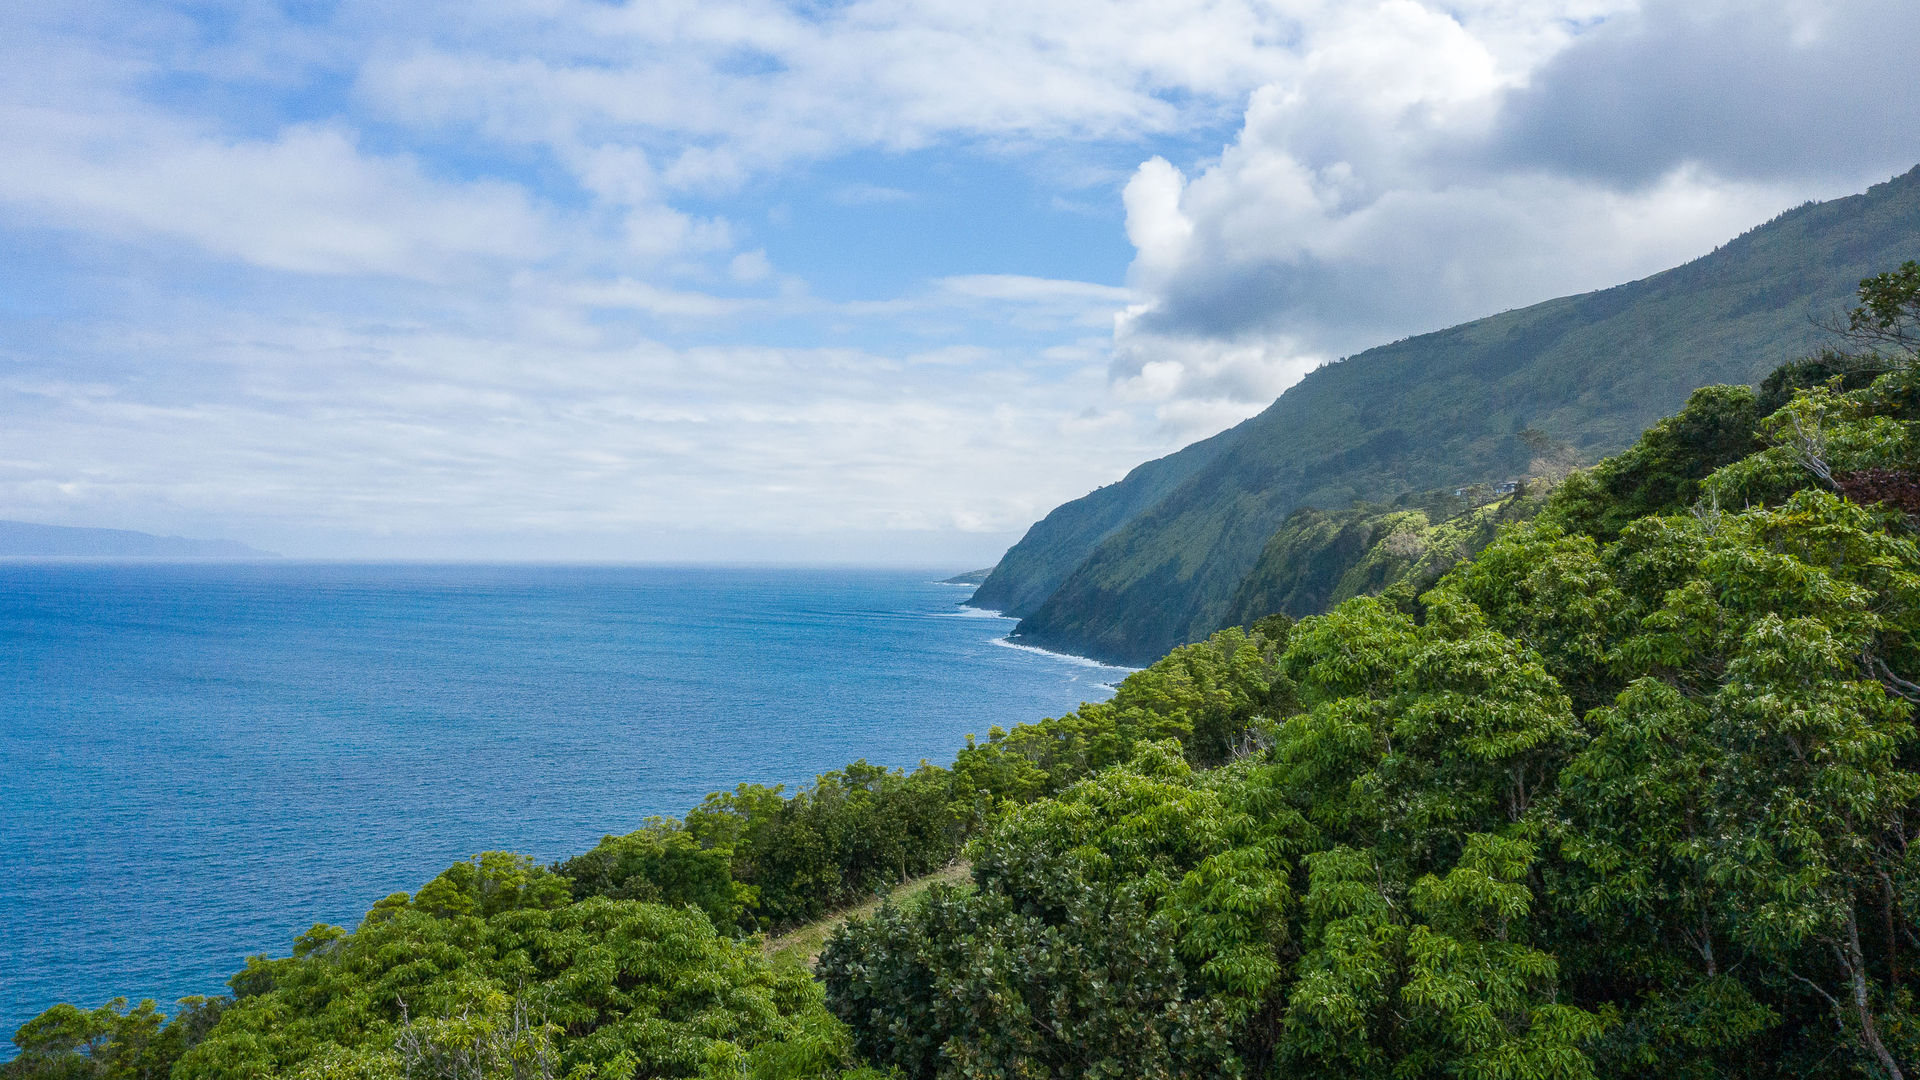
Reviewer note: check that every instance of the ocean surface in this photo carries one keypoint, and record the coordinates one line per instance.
(198, 762)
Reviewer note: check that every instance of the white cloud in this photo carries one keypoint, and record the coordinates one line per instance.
(1198, 385)
(737, 88)
(307, 199)
(1022, 289)
(750, 266)
(312, 427)
(1397, 178)
(1775, 90)
(643, 105)
(1026, 301)
(869, 195)
(650, 299)
(1159, 229)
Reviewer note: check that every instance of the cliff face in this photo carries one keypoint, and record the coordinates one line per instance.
(1032, 569)
(1157, 560)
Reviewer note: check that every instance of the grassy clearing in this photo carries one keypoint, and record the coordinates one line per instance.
(802, 946)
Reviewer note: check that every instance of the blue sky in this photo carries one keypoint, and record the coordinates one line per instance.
(871, 281)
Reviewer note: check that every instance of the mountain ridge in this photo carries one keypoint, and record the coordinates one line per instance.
(1051, 545)
(1434, 410)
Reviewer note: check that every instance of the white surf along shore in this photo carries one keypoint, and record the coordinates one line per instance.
(1119, 671)
(969, 611)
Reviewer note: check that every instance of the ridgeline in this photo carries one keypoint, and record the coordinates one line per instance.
(1163, 556)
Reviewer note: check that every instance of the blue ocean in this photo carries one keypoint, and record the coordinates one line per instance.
(198, 762)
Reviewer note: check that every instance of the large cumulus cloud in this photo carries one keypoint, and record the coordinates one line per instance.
(1417, 167)
(1783, 90)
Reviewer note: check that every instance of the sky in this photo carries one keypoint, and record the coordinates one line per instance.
(864, 281)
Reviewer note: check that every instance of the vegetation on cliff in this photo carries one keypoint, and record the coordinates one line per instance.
(1318, 559)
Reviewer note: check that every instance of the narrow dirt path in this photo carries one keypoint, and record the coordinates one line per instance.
(802, 945)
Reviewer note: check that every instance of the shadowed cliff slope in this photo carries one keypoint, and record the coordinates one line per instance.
(1059, 542)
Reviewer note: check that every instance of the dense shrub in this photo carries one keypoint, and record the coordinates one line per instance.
(1633, 797)
(490, 970)
(1662, 472)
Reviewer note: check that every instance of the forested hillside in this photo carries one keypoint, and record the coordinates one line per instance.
(1634, 792)
(1437, 411)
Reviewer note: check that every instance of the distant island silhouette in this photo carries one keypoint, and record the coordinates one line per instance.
(26, 540)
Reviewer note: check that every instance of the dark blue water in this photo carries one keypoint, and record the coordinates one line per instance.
(198, 762)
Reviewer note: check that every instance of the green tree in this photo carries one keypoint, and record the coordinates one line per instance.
(1432, 984)
(1888, 317)
(112, 1042)
(663, 862)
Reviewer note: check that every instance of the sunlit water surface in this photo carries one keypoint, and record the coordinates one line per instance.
(199, 761)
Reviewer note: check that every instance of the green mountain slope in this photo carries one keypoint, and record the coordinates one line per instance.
(1444, 409)
(1318, 558)
(1061, 541)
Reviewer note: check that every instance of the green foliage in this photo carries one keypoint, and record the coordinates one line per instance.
(1855, 372)
(851, 835)
(112, 1042)
(1415, 735)
(664, 862)
(1889, 313)
(972, 987)
(1434, 986)
(1661, 473)
(1407, 569)
(1826, 437)
(1404, 738)
(488, 884)
(753, 858)
(1318, 559)
(1748, 792)
(1207, 696)
(1120, 930)
(490, 970)
(510, 987)
(1553, 593)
